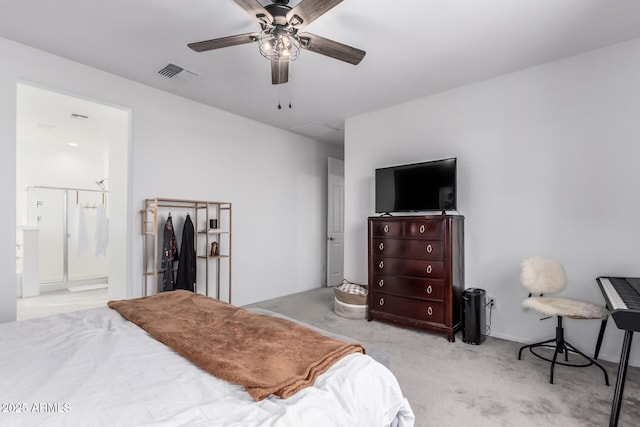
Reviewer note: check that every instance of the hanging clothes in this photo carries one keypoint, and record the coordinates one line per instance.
(102, 231)
(169, 256)
(186, 276)
(80, 231)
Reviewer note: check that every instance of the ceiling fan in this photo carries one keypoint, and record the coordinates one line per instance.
(280, 40)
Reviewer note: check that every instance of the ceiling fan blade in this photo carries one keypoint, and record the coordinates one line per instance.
(308, 11)
(255, 9)
(279, 72)
(223, 42)
(330, 48)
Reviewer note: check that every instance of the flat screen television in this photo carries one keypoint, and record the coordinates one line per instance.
(426, 186)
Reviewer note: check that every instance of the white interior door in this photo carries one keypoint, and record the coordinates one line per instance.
(335, 222)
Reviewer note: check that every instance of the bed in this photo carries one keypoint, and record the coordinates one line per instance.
(95, 368)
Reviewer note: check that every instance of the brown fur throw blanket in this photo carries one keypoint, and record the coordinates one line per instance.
(265, 354)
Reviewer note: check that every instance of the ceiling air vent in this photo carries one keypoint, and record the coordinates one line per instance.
(173, 71)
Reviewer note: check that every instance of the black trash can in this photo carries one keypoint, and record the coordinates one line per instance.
(473, 316)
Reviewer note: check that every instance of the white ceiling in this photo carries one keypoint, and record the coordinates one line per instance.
(46, 121)
(414, 48)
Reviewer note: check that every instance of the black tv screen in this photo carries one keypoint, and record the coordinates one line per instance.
(426, 186)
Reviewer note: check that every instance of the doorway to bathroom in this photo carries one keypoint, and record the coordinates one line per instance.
(66, 199)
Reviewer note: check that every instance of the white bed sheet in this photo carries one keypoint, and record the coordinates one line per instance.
(94, 368)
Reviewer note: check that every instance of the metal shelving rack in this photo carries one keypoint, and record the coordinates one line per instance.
(204, 237)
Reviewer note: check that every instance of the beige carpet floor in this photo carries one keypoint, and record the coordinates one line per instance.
(458, 384)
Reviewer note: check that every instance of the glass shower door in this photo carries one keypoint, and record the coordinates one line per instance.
(67, 252)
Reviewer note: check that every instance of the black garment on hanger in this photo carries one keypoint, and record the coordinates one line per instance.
(169, 256)
(186, 276)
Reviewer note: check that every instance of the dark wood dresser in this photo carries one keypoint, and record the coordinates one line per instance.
(416, 271)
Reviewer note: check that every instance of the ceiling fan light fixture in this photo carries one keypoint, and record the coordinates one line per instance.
(279, 44)
(279, 39)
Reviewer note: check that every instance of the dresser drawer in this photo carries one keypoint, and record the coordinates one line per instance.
(425, 229)
(409, 267)
(404, 286)
(409, 248)
(420, 310)
(387, 229)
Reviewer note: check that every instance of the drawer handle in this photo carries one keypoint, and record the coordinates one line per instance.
(429, 311)
(381, 283)
(429, 289)
(386, 228)
(381, 265)
(429, 249)
(381, 302)
(429, 269)
(421, 229)
(381, 246)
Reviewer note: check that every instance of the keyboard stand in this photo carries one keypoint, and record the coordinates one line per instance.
(622, 374)
(623, 301)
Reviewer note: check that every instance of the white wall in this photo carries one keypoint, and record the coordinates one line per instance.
(276, 180)
(547, 164)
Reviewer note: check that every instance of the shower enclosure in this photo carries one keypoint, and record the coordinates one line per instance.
(73, 233)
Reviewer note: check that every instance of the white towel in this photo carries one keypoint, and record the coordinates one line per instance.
(81, 237)
(102, 231)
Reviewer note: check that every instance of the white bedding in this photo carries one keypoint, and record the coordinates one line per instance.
(94, 368)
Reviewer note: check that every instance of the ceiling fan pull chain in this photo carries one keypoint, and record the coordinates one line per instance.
(279, 101)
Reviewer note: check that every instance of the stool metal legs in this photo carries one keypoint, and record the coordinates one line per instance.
(562, 346)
